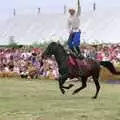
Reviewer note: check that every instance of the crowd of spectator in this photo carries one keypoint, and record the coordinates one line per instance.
(27, 63)
(103, 52)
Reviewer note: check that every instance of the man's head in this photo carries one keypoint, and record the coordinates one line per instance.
(71, 11)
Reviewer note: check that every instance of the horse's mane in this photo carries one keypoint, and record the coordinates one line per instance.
(61, 47)
(55, 46)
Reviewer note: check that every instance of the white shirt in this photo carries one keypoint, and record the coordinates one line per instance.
(73, 23)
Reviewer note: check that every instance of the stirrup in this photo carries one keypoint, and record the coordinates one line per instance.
(80, 57)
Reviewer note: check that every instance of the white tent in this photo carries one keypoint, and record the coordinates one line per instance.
(100, 26)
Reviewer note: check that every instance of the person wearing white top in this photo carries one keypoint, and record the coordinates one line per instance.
(73, 24)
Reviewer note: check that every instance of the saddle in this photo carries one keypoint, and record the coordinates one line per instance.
(77, 61)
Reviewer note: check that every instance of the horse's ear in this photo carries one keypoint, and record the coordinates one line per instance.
(58, 42)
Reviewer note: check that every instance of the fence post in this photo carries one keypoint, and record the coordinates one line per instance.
(14, 12)
(94, 6)
(39, 10)
(65, 9)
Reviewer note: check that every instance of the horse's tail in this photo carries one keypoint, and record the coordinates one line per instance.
(110, 67)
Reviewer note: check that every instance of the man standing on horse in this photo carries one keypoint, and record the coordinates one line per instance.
(73, 23)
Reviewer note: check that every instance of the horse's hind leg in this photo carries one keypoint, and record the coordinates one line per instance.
(68, 87)
(83, 80)
(95, 78)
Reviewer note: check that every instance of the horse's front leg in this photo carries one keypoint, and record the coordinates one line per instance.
(61, 82)
(68, 87)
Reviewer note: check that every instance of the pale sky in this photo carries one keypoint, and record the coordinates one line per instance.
(6, 6)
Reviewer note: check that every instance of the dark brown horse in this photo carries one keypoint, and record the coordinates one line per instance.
(73, 67)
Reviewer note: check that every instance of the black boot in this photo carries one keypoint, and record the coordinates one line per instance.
(74, 52)
(80, 56)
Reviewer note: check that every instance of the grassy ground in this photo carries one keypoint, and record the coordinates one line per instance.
(42, 100)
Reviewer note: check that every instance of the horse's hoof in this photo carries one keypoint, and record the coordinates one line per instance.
(71, 85)
(94, 97)
(63, 92)
(73, 93)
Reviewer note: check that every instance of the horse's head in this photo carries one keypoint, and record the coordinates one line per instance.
(50, 50)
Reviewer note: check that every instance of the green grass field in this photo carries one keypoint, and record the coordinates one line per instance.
(42, 100)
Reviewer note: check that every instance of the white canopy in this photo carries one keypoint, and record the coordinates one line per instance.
(100, 26)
